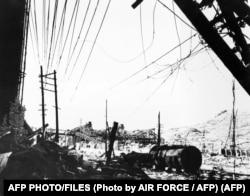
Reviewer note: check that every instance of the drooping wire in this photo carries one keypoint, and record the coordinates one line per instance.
(148, 65)
(92, 46)
(141, 53)
(191, 54)
(151, 95)
(215, 65)
(163, 82)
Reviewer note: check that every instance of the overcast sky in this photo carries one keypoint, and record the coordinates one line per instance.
(194, 93)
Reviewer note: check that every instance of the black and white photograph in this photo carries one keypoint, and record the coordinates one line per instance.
(124, 90)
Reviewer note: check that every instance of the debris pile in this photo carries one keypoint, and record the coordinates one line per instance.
(45, 160)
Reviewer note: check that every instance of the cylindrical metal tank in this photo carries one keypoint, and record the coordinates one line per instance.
(188, 158)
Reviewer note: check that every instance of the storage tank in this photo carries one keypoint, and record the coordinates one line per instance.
(188, 158)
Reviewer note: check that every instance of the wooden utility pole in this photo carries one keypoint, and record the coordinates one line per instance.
(159, 129)
(234, 122)
(106, 130)
(203, 142)
(234, 119)
(56, 99)
(111, 143)
(56, 109)
(43, 108)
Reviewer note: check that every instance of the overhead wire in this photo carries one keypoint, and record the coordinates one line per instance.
(191, 43)
(92, 46)
(141, 53)
(191, 54)
(73, 32)
(204, 66)
(84, 40)
(142, 42)
(59, 51)
(60, 30)
(52, 33)
(176, 28)
(147, 99)
(47, 32)
(142, 39)
(153, 34)
(79, 35)
(36, 31)
(216, 67)
(65, 41)
(163, 82)
(148, 65)
(179, 40)
(43, 28)
(32, 43)
(164, 5)
(32, 32)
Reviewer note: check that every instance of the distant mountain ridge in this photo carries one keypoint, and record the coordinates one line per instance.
(213, 134)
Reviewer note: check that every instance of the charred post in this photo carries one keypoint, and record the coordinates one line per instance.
(111, 142)
(159, 129)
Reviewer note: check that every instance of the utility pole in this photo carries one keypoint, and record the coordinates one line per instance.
(203, 142)
(106, 131)
(43, 109)
(159, 129)
(47, 76)
(111, 143)
(234, 122)
(56, 109)
(234, 119)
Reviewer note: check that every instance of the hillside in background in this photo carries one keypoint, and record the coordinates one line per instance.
(212, 134)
